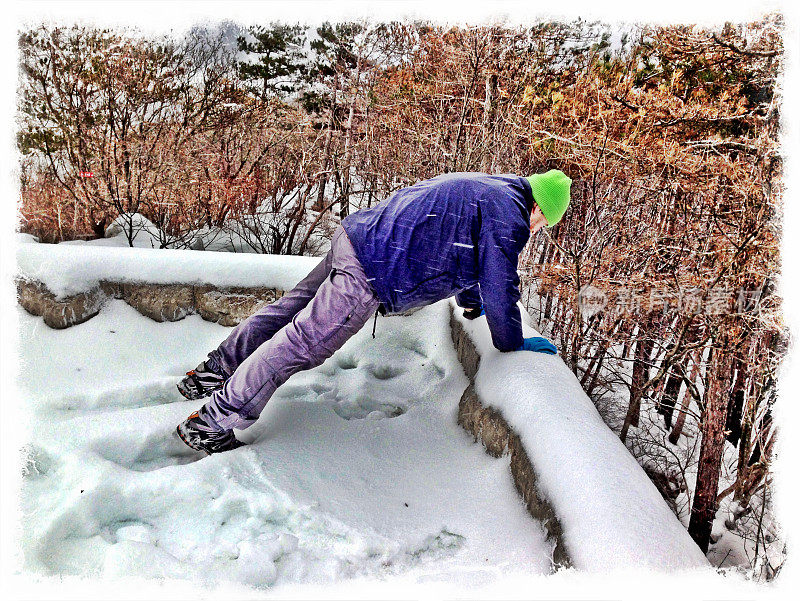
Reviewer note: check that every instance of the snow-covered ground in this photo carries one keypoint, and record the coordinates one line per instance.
(356, 468)
(245, 234)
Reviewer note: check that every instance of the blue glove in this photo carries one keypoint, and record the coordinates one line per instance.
(538, 345)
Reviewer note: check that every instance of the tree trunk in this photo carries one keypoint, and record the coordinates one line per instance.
(672, 386)
(326, 155)
(733, 421)
(344, 210)
(548, 306)
(670, 395)
(602, 346)
(685, 400)
(754, 450)
(490, 107)
(641, 368)
(704, 504)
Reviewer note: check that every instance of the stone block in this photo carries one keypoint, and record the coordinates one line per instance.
(467, 354)
(111, 289)
(231, 306)
(525, 483)
(484, 423)
(160, 302)
(36, 299)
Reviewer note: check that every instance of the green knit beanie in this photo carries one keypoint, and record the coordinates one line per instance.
(551, 193)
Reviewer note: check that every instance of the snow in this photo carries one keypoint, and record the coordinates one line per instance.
(245, 234)
(144, 233)
(22, 238)
(68, 269)
(611, 513)
(356, 469)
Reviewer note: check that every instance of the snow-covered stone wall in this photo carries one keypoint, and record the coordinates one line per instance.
(487, 425)
(67, 270)
(575, 475)
(68, 284)
(160, 302)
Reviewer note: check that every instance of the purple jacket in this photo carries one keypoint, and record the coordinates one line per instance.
(457, 233)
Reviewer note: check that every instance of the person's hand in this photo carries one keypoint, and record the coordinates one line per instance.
(473, 313)
(538, 344)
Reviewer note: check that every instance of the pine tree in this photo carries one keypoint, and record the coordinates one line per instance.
(279, 51)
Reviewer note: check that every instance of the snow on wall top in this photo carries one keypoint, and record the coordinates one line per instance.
(68, 269)
(612, 515)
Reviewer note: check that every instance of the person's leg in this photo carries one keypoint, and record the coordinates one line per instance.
(262, 325)
(342, 305)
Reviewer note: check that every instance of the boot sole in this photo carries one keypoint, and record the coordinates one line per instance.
(189, 396)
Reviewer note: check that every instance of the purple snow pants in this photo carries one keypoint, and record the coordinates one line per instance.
(297, 332)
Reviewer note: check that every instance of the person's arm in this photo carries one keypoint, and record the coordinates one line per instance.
(499, 248)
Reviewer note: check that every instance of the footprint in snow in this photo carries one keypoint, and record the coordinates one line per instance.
(364, 407)
(385, 372)
(134, 396)
(346, 362)
(415, 346)
(159, 450)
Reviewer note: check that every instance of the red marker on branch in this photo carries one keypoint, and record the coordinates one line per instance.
(85, 174)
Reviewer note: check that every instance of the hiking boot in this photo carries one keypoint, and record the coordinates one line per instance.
(199, 435)
(201, 381)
